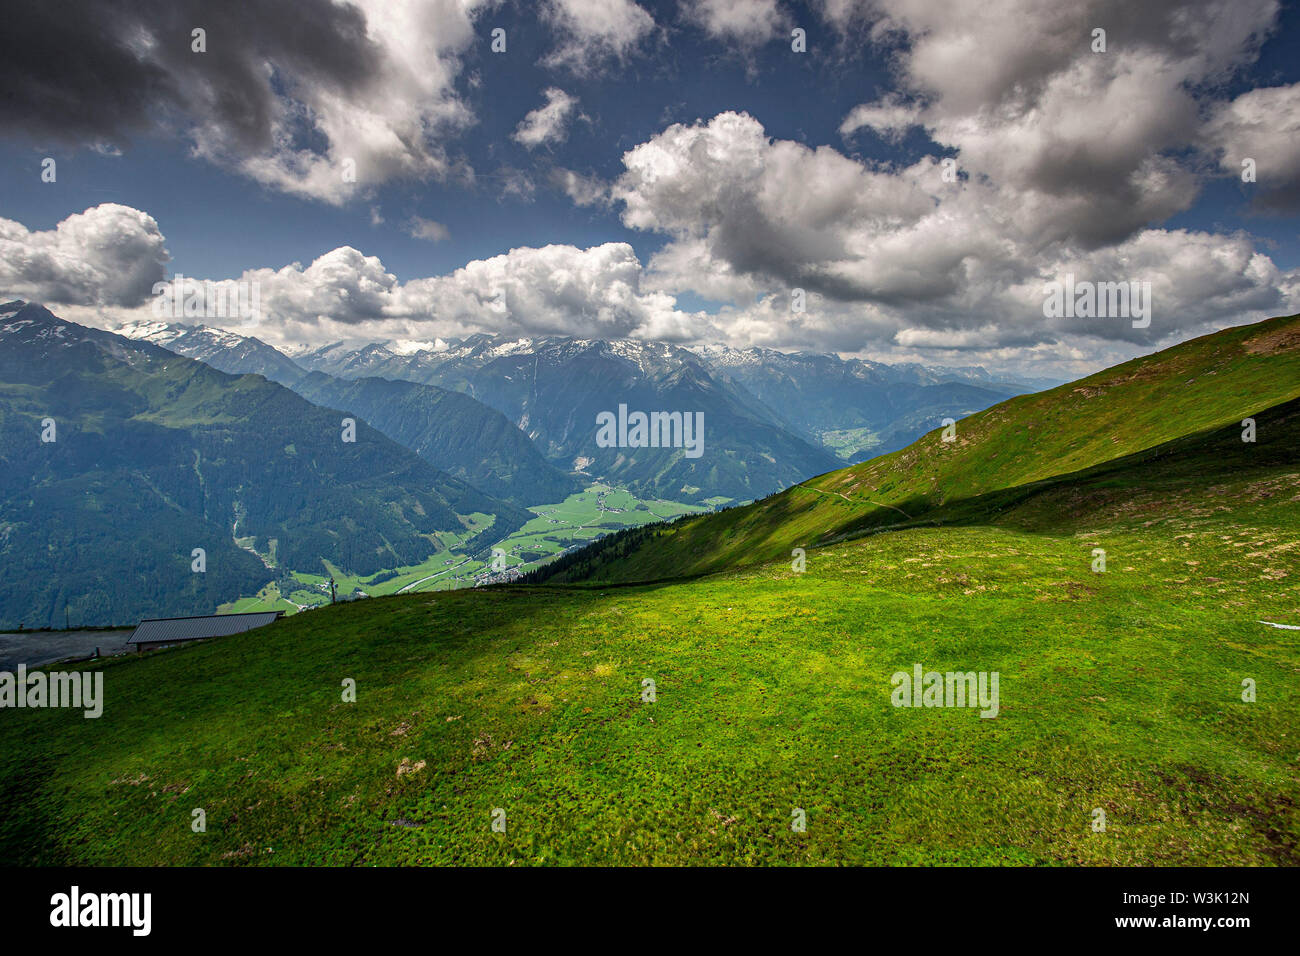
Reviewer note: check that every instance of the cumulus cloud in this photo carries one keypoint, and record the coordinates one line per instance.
(549, 123)
(319, 99)
(1067, 161)
(1082, 144)
(343, 285)
(775, 210)
(100, 265)
(898, 255)
(746, 23)
(1262, 125)
(557, 289)
(552, 290)
(593, 32)
(109, 255)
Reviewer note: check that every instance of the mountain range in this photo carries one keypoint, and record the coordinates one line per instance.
(448, 429)
(1143, 415)
(554, 389)
(857, 407)
(851, 406)
(172, 437)
(771, 418)
(1119, 553)
(119, 458)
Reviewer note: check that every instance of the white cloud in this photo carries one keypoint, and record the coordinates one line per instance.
(297, 97)
(744, 22)
(844, 14)
(343, 285)
(557, 289)
(772, 210)
(109, 255)
(890, 117)
(591, 32)
(1262, 125)
(1081, 144)
(896, 255)
(1068, 159)
(515, 183)
(99, 267)
(549, 123)
(583, 190)
(388, 127)
(421, 228)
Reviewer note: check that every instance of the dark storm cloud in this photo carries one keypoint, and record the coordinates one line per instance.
(93, 71)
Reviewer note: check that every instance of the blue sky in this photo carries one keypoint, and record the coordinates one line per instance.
(690, 63)
(218, 224)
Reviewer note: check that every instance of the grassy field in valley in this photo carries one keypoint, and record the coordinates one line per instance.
(1119, 691)
(557, 528)
(1161, 688)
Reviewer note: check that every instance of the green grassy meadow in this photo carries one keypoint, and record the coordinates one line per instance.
(572, 523)
(581, 518)
(1124, 421)
(1119, 690)
(1124, 689)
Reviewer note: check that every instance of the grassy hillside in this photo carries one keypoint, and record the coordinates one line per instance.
(1119, 690)
(1206, 383)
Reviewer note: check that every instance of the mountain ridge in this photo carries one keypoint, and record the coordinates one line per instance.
(450, 430)
(1235, 373)
(801, 413)
(154, 454)
(1122, 687)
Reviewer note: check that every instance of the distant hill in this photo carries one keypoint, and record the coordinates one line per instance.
(1199, 386)
(450, 430)
(554, 388)
(156, 455)
(773, 689)
(859, 408)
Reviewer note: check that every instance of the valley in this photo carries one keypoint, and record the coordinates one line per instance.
(641, 436)
(1119, 691)
(555, 529)
(1117, 557)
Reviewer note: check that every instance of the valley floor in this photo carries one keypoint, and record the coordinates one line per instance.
(554, 530)
(1120, 691)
